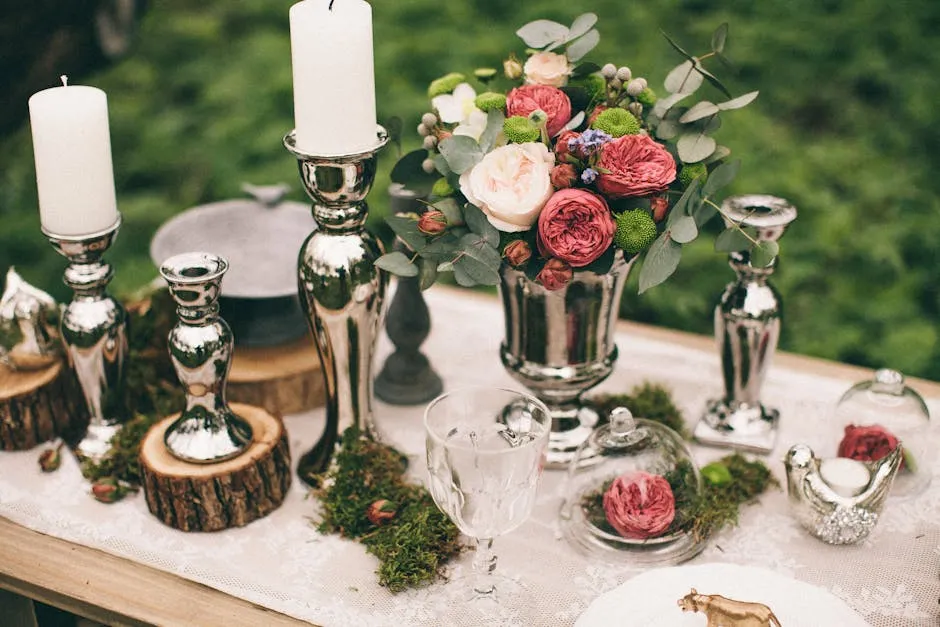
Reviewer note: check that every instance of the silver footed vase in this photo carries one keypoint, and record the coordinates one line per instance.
(200, 348)
(342, 292)
(560, 343)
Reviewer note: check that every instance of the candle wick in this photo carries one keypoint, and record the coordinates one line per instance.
(65, 80)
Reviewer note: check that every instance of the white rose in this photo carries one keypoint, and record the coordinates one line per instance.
(511, 185)
(547, 68)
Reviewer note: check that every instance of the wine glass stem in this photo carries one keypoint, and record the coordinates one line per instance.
(484, 563)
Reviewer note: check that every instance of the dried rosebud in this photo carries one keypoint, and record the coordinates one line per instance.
(555, 275)
(50, 459)
(659, 205)
(380, 512)
(563, 176)
(512, 68)
(517, 252)
(107, 490)
(432, 222)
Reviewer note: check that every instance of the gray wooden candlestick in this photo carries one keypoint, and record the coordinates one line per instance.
(407, 377)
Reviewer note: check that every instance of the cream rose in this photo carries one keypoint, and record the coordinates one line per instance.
(511, 185)
(547, 68)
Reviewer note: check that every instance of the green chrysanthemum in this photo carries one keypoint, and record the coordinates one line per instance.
(519, 130)
(617, 122)
(442, 188)
(490, 101)
(445, 84)
(636, 230)
(594, 85)
(692, 171)
(647, 97)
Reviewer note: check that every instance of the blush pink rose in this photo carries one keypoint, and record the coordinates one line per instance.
(639, 505)
(553, 101)
(634, 165)
(867, 444)
(575, 226)
(555, 275)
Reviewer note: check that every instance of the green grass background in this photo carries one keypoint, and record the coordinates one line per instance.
(846, 127)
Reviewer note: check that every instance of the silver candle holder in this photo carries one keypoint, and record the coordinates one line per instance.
(747, 327)
(94, 330)
(341, 290)
(200, 348)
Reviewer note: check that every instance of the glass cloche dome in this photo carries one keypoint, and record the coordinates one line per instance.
(874, 415)
(628, 491)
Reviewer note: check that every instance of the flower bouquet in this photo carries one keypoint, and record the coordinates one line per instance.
(557, 164)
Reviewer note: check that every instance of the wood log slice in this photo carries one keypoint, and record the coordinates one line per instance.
(211, 497)
(284, 379)
(38, 405)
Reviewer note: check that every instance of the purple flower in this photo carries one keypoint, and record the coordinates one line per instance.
(589, 141)
(588, 176)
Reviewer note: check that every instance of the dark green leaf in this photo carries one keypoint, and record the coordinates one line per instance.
(583, 45)
(721, 176)
(725, 61)
(689, 199)
(480, 225)
(694, 147)
(698, 111)
(541, 33)
(451, 211)
(441, 164)
(703, 214)
(461, 152)
(683, 230)
(478, 263)
(720, 153)
(764, 253)
(711, 78)
(494, 124)
(578, 96)
(427, 273)
(661, 261)
(397, 263)
(443, 248)
(683, 79)
(407, 230)
(740, 101)
(667, 129)
(719, 37)
(409, 173)
(731, 240)
(605, 262)
(581, 25)
(676, 46)
(583, 69)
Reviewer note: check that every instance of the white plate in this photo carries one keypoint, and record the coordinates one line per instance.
(650, 599)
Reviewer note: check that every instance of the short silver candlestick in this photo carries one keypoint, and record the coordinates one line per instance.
(747, 327)
(200, 348)
(341, 290)
(94, 330)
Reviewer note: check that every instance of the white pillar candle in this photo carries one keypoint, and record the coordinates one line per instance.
(846, 477)
(334, 76)
(72, 148)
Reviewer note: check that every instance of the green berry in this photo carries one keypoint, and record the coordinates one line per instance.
(647, 97)
(519, 130)
(636, 230)
(442, 188)
(485, 74)
(490, 101)
(692, 171)
(594, 85)
(617, 122)
(445, 84)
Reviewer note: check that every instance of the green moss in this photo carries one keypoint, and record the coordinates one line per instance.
(647, 400)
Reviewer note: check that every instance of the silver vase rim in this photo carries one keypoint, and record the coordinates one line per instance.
(381, 136)
(178, 269)
(772, 211)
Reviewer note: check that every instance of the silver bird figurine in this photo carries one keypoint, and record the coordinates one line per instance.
(28, 336)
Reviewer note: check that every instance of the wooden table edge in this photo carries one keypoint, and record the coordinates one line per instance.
(116, 591)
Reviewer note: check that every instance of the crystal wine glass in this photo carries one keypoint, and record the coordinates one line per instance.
(485, 454)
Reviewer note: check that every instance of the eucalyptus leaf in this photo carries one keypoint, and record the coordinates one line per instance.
(479, 224)
(708, 125)
(661, 261)
(408, 172)
(694, 147)
(584, 69)
(478, 262)
(720, 153)
(764, 253)
(443, 248)
(397, 263)
(711, 78)
(739, 102)
(704, 213)
(719, 37)
(721, 176)
(683, 79)
(407, 231)
(583, 45)
(447, 266)
(440, 163)
(667, 129)
(665, 104)
(677, 47)
(494, 124)
(461, 153)
(684, 230)
(573, 123)
(451, 211)
(581, 25)
(427, 273)
(689, 198)
(541, 33)
(732, 240)
(698, 111)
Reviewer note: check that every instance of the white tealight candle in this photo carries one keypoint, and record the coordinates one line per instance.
(72, 148)
(846, 477)
(334, 76)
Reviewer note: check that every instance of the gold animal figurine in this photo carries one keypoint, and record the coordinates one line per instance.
(722, 612)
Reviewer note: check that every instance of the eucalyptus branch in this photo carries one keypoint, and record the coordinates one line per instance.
(736, 224)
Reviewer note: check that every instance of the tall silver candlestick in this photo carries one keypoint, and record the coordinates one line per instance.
(747, 327)
(94, 331)
(341, 290)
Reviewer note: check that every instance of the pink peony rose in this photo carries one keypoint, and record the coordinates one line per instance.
(528, 98)
(564, 176)
(575, 226)
(867, 444)
(555, 275)
(639, 505)
(636, 166)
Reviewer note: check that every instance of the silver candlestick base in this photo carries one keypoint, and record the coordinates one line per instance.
(200, 348)
(341, 290)
(747, 327)
(94, 331)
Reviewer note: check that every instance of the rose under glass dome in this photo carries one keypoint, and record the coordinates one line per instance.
(628, 493)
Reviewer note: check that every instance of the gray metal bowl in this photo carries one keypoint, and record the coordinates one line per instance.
(260, 237)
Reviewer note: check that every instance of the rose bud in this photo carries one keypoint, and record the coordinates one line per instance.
(564, 176)
(433, 222)
(555, 275)
(512, 68)
(50, 459)
(517, 252)
(380, 512)
(107, 490)
(659, 205)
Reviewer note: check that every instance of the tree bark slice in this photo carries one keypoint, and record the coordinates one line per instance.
(284, 379)
(211, 497)
(38, 405)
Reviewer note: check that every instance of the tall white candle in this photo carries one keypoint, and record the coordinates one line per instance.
(72, 148)
(334, 76)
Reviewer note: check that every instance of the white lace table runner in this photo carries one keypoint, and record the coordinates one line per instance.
(281, 562)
